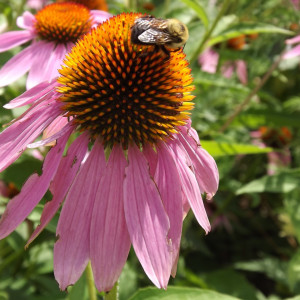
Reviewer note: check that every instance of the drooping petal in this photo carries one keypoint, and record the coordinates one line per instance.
(204, 166)
(15, 138)
(168, 182)
(39, 70)
(189, 185)
(109, 238)
(72, 250)
(13, 39)
(60, 185)
(151, 157)
(30, 96)
(26, 21)
(147, 222)
(33, 190)
(18, 65)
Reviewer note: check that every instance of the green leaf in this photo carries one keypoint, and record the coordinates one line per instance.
(128, 282)
(223, 149)
(179, 293)
(279, 183)
(294, 273)
(219, 81)
(255, 118)
(273, 267)
(196, 32)
(292, 222)
(197, 7)
(19, 172)
(246, 28)
(231, 282)
(79, 290)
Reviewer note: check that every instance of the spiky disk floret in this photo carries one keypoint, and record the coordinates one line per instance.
(125, 93)
(63, 22)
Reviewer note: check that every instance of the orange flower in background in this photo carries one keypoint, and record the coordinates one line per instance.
(279, 139)
(252, 36)
(237, 43)
(275, 138)
(91, 4)
(148, 6)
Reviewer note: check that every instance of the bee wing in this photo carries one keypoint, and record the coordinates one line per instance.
(152, 36)
(142, 23)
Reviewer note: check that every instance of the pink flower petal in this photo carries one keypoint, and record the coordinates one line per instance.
(13, 39)
(52, 138)
(33, 190)
(151, 157)
(71, 251)
(227, 69)
(55, 126)
(15, 138)
(39, 69)
(294, 40)
(56, 60)
(32, 95)
(18, 65)
(168, 182)
(147, 222)
(64, 177)
(209, 60)
(241, 71)
(99, 16)
(190, 186)
(292, 53)
(109, 238)
(204, 166)
(26, 21)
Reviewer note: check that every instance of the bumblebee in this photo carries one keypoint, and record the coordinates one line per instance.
(148, 30)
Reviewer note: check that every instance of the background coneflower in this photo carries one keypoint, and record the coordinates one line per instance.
(53, 30)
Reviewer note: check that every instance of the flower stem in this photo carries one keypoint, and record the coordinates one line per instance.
(240, 107)
(90, 281)
(113, 294)
(208, 34)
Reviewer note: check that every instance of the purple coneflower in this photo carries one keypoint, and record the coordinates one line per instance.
(135, 168)
(54, 30)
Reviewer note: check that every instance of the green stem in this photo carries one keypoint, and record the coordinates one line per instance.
(167, 5)
(90, 281)
(208, 34)
(113, 294)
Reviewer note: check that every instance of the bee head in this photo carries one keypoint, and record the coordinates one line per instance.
(178, 30)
